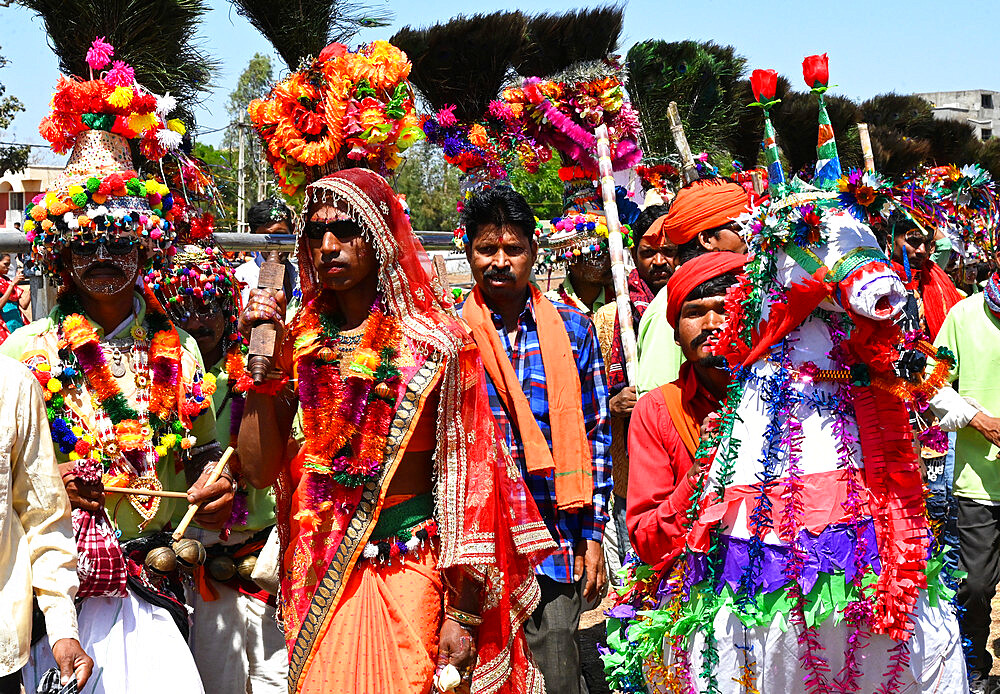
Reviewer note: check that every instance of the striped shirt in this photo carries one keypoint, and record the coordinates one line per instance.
(524, 352)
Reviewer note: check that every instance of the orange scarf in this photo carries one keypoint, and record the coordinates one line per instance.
(688, 404)
(569, 457)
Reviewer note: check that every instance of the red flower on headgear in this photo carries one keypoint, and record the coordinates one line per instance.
(763, 83)
(816, 70)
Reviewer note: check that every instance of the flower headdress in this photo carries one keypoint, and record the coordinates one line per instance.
(342, 109)
(100, 192)
(195, 197)
(582, 230)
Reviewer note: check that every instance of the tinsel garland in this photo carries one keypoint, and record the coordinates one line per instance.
(345, 420)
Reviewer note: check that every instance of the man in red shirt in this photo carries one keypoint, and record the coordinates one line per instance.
(665, 429)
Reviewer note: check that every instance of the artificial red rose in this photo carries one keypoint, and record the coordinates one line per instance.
(816, 70)
(333, 50)
(764, 83)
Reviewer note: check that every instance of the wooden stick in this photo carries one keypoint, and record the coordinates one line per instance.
(866, 147)
(145, 492)
(193, 508)
(616, 247)
(689, 170)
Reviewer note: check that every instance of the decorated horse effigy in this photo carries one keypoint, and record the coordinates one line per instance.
(809, 562)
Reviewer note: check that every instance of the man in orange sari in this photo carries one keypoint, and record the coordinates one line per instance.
(407, 534)
(665, 429)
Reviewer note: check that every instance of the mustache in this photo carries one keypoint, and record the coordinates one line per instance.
(704, 337)
(499, 273)
(200, 332)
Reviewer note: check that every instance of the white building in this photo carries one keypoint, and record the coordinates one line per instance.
(17, 189)
(980, 108)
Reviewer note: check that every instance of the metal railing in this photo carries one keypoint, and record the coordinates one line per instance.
(15, 242)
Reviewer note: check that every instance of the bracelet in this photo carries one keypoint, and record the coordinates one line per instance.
(464, 618)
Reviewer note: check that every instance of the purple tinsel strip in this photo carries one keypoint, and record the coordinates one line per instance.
(833, 550)
(308, 394)
(89, 356)
(240, 512)
(164, 370)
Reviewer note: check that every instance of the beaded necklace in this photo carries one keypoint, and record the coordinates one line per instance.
(126, 442)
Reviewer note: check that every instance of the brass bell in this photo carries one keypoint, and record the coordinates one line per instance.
(221, 567)
(161, 560)
(246, 566)
(190, 553)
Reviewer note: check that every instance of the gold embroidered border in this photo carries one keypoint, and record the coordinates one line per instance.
(330, 587)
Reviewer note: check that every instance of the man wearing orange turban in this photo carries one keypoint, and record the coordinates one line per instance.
(665, 429)
(702, 218)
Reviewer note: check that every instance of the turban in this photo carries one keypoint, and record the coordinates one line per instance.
(695, 272)
(705, 204)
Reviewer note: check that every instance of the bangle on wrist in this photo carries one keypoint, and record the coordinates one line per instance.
(466, 619)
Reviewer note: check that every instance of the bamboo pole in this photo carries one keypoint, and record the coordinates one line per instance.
(616, 248)
(130, 491)
(689, 171)
(866, 147)
(193, 508)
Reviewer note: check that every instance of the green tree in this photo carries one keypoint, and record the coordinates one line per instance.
(431, 186)
(254, 82)
(13, 158)
(222, 168)
(543, 190)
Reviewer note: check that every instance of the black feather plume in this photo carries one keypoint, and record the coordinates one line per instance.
(299, 29)
(796, 121)
(464, 61)
(556, 41)
(746, 141)
(155, 37)
(704, 80)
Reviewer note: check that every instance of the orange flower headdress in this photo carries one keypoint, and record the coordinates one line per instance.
(342, 109)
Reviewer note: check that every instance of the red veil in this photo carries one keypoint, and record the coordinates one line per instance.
(488, 523)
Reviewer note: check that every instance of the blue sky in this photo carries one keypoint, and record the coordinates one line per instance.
(874, 46)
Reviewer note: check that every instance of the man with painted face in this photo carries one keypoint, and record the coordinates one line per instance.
(128, 407)
(654, 264)
(547, 390)
(665, 429)
(234, 634)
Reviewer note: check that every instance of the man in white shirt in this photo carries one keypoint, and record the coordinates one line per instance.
(37, 548)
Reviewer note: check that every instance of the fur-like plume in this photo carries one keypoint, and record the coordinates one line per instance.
(704, 80)
(556, 41)
(302, 28)
(895, 154)
(464, 61)
(951, 142)
(156, 37)
(796, 122)
(745, 144)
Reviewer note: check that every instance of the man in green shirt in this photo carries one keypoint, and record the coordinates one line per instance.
(127, 409)
(971, 331)
(234, 635)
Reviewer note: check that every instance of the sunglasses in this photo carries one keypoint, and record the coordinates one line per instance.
(111, 246)
(343, 229)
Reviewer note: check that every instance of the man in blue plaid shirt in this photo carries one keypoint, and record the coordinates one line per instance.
(501, 250)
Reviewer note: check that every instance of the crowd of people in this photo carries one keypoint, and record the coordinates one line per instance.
(766, 428)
